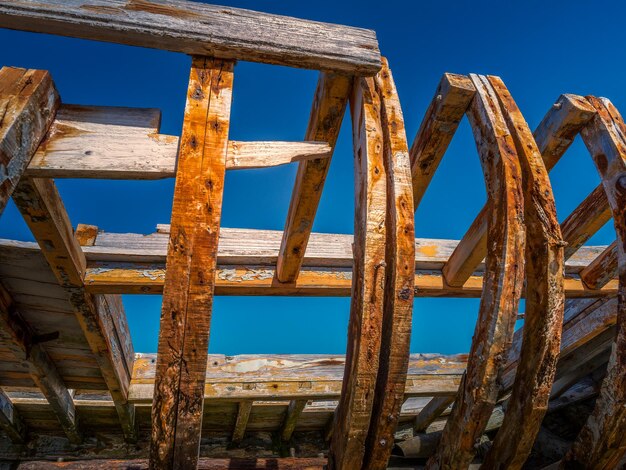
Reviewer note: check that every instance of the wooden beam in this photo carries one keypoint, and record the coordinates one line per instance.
(294, 410)
(502, 290)
(10, 420)
(99, 317)
(543, 319)
(327, 112)
(124, 143)
(191, 263)
(431, 412)
(86, 234)
(202, 29)
(602, 269)
(399, 278)
(28, 103)
(451, 100)
(602, 443)
(585, 220)
(553, 136)
(203, 464)
(243, 414)
(19, 337)
(347, 447)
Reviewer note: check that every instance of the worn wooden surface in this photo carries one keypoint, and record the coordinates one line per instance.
(201, 29)
(20, 338)
(602, 269)
(545, 298)
(191, 261)
(503, 283)
(451, 100)
(329, 105)
(10, 420)
(294, 410)
(101, 318)
(431, 412)
(352, 419)
(124, 143)
(602, 443)
(28, 103)
(399, 277)
(243, 415)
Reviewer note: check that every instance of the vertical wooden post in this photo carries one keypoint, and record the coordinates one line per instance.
(353, 414)
(191, 261)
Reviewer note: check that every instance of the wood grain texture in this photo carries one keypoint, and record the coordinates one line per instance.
(352, 418)
(294, 410)
(329, 105)
(553, 137)
(451, 100)
(601, 443)
(200, 29)
(399, 278)
(100, 318)
(28, 103)
(431, 412)
(503, 283)
(243, 414)
(11, 422)
(545, 298)
(124, 143)
(602, 269)
(21, 340)
(191, 262)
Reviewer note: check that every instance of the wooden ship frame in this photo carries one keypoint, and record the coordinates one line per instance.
(75, 394)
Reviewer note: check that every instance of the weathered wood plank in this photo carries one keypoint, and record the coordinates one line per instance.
(352, 418)
(329, 105)
(543, 319)
(294, 410)
(451, 100)
(499, 302)
(601, 443)
(202, 29)
(191, 263)
(40, 204)
(20, 338)
(203, 464)
(124, 143)
(10, 421)
(86, 234)
(431, 412)
(399, 278)
(553, 136)
(243, 414)
(28, 103)
(589, 217)
(602, 269)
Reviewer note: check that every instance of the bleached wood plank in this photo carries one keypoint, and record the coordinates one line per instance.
(329, 104)
(124, 143)
(451, 100)
(399, 278)
(543, 318)
(202, 29)
(602, 269)
(352, 418)
(191, 262)
(28, 103)
(502, 290)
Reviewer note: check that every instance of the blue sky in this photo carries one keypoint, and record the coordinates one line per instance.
(540, 49)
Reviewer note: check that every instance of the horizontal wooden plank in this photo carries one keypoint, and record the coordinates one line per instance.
(123, 143)
(201, 29)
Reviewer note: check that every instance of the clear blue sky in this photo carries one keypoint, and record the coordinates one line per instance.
(540, 49)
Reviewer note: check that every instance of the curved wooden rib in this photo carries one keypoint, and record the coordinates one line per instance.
(545, 300)
(502, 289)
(602, 269)
(602, 442)
(353, 414)
(399, 281)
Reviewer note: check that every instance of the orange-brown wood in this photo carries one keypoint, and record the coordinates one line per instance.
(601, 443)
(352, 418)
(191, 262)
(399, 282)
(545, 299)
(329, 105)
(501, 293)
(602, 269)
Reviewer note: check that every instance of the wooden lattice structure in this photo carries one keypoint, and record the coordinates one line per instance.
(72, 386)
